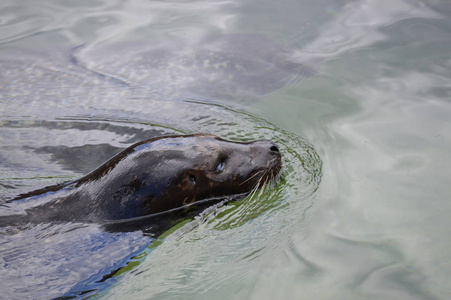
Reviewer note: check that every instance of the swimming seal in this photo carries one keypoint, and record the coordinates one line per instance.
(154, 176)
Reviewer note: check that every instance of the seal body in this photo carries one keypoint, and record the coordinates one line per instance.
(154, 176)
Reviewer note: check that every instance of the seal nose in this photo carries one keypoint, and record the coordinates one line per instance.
(274, 152)
(274, 157)
(267, 149)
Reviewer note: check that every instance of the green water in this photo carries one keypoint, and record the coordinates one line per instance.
(362, 212)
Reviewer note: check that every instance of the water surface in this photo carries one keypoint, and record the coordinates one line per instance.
(355, 92)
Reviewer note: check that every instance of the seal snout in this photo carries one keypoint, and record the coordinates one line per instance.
(269, 155)
(274, 152)
(271, 146)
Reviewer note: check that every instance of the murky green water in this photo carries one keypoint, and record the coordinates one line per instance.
(356, 93)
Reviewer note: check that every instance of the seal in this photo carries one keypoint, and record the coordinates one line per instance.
(154, 176)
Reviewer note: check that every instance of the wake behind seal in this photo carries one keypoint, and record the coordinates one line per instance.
(154, 176)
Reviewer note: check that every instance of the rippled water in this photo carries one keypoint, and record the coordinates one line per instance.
(356, 93)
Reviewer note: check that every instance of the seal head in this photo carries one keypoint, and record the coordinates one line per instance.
(161, 174)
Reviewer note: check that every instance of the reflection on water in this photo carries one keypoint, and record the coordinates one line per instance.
(43, 261)
(214, 67)
(372, 222)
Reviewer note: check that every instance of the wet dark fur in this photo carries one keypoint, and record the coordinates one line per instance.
(154, 176)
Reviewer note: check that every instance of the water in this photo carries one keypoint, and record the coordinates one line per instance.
(357, 97)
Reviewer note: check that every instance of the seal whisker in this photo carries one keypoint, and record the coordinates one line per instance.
(271, 181)
(248, 179)
(262, 190)
(255, 189)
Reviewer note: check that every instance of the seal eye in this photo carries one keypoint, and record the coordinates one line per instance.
(220, 165)
(192, 179)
